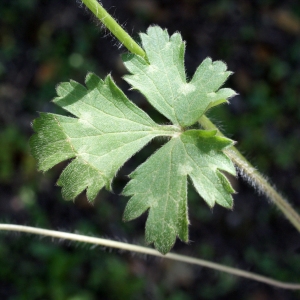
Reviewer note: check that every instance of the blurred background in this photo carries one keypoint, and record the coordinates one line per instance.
(43, 43)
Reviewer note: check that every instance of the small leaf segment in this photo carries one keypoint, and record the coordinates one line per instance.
(106, 129)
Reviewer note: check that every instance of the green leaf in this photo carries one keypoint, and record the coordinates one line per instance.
(160, 184)
(162, 78)
(108, 130)
(105, 129)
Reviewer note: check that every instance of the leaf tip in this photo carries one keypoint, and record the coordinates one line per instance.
(92, 80)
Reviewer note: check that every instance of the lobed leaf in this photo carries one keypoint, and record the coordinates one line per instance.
(160, 184)
(105, 129)
(161, 78)
(108, 130)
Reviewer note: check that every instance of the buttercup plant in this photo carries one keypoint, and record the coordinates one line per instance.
(106, 129)
(109, 129)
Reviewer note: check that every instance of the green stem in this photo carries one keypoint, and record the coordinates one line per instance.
(248, 172)
(114, 27)
(139, 249)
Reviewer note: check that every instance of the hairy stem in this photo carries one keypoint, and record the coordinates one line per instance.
(250, 174)
(114, 27)
(149, 251)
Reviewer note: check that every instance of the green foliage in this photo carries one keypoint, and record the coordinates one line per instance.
(109, 129)
(162, 78)
(161, 184)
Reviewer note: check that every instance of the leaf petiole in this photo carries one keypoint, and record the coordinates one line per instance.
(254, 178)
(114, 27)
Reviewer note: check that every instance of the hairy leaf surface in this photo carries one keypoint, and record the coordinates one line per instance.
(108, 130)
(105, 129)
(162, 78)
(161, 184)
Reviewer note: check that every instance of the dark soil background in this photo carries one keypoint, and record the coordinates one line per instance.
(46, 42)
